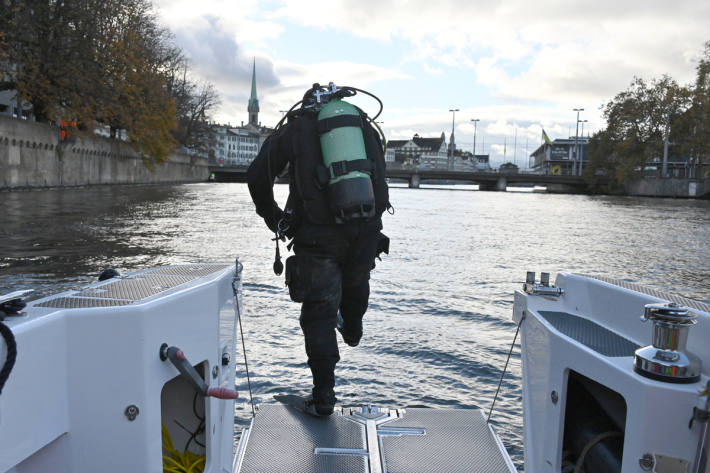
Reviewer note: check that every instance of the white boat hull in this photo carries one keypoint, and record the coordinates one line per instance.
(590, 334)
(88, 360)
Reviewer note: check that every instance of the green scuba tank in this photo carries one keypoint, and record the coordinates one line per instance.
(350, 191)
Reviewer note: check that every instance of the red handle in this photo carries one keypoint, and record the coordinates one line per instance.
(222, 393)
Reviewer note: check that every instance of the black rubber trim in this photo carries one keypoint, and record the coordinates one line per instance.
(9, 338)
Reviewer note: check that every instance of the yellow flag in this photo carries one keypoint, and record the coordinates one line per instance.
(545, 137)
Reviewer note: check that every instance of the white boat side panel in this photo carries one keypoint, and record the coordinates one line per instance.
(619, 309)
(52, 458)
(657, 412)
(542, 418)
(33, 404)
(110, 361)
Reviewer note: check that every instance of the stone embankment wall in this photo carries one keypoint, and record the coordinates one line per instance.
(32, 156)
(670, 187)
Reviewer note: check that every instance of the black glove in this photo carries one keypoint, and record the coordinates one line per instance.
(273, 220)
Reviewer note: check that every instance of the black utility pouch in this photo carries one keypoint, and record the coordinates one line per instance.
(296, 280)
(312, 278)
(383, 245)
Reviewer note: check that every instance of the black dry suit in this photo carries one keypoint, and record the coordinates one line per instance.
(330, 271)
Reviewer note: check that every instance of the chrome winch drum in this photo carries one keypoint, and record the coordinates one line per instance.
(667, 359)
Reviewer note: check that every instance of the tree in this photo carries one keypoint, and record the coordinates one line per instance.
(195, 103)
(639, 121)
(696, 123)
(105, 62)
(133, 95)
(35, 33)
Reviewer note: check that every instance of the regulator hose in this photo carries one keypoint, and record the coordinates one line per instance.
(347, 87)
(344, 91)
(9, 338)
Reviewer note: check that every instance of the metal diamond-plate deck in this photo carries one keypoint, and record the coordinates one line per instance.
(193, 270)
(653, 292)
(456, 441)
(138, 288)
(283, 440)
(81, 303)
(590, 334)
(133, 288)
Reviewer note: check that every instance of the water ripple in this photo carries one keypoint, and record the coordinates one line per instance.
(439, 325)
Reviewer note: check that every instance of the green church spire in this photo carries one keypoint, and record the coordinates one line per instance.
(253, 107)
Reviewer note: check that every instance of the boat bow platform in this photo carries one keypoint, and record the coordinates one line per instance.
(371, 440)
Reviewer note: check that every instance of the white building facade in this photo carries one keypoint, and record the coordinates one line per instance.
(238, 146)
(421, 152)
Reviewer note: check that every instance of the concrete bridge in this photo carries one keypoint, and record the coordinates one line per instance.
(487, 181)
(490, 181)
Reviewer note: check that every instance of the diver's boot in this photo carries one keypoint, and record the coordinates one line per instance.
(321, 403)
(351, 337)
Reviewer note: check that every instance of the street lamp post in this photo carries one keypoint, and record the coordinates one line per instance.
(451, 155)
(581, 157)
(475, 123)
(576, 142)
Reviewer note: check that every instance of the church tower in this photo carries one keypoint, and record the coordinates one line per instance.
(253, 107)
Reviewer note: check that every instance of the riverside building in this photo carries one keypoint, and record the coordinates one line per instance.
(238, 146)
(421, 152)
(559, 157)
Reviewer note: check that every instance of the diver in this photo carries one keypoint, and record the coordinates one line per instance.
(334, 157)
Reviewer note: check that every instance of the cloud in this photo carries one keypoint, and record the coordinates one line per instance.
(294, 79)
(530, 63)
(432, 70)
(216, 56)
(571, 50)
(245, 18)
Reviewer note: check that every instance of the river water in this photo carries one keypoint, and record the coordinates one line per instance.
(439, 325)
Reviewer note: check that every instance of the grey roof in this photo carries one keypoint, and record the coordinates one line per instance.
(392, 144)
(429, 144)
(432, 144)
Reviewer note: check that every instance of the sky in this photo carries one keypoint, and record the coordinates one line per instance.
(518, 66)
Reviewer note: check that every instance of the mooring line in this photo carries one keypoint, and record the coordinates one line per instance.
(237, 302)
(505, 368)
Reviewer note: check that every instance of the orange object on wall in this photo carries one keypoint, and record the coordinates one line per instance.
(64, 128)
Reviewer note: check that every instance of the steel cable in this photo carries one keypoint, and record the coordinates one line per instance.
(505, 368)
(237, 302)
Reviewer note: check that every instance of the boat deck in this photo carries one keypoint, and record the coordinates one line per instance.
(371, 440)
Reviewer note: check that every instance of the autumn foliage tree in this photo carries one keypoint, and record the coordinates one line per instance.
(641, 119)
(194, 101)
(697, 121)
(100, 62)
